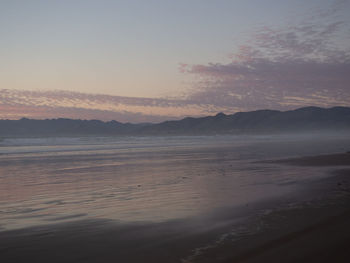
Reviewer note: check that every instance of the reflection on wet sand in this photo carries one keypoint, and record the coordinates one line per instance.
(165, 201)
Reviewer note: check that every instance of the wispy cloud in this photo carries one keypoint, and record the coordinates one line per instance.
(303, 64)
(16, 104)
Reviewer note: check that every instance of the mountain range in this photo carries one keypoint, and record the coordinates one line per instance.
(254, 122)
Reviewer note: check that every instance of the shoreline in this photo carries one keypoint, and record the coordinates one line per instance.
(298, 223)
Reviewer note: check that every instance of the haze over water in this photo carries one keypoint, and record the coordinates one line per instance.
(50, 180)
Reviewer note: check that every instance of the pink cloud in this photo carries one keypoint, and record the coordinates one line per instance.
(15, 104)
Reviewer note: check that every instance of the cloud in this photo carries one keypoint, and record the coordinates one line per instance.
(15, 104)
(298, 65)
(302, 64)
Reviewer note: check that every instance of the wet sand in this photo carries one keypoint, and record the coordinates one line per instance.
(321, 160)
(309, 226)
(316, 230)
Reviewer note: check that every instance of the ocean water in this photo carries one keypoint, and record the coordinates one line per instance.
(127, 179)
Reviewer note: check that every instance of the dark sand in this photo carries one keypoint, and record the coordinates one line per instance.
(321, 160)
(316, 228)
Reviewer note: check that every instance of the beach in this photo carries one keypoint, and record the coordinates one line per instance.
(307, 223)
(175, 131)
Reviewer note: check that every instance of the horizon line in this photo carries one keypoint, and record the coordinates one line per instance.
(194, 117)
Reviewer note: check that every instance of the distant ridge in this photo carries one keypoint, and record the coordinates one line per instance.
(260, 121)
(254, 122)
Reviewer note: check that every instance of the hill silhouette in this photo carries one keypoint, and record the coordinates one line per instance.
(261, 121)
(254, 122)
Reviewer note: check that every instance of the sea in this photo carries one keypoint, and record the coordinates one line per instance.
(51, 180)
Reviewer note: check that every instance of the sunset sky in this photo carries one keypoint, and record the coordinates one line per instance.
(152, 60)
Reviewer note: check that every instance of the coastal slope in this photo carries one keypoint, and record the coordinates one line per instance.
(307, 119)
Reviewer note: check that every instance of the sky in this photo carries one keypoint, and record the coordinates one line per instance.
(149, 61)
